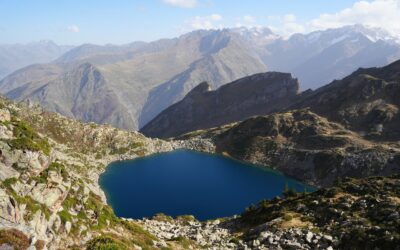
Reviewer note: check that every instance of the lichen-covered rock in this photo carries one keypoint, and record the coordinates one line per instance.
(5, 115)
(7, 172)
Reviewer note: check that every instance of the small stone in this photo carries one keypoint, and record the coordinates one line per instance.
(199, 237)
(309, 237)
(68, 226)
(256, 243)
(328, 238)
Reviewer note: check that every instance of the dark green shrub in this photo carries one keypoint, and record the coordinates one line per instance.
(105, 243)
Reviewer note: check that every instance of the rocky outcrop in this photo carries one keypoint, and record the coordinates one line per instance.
(201, 109)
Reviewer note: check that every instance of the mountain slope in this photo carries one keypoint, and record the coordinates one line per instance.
(16, 56)
(201, 108)
(87, 97)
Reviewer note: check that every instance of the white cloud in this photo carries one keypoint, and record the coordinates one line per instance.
(286, 25)
(383, 14)
(181, 3)
(215, 17)
(249, 19)
(73, 28)
(289, 18)
(203, 22)
(292, 27)
(376, 13)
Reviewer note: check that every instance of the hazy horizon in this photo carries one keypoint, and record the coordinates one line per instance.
(101, 22)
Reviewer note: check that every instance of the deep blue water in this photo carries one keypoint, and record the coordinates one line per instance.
(186, 182)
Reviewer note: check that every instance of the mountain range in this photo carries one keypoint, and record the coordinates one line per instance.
(120, 87)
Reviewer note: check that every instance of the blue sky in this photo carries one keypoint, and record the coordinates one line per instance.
(123, 21)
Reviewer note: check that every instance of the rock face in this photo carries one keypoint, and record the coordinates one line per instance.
(201, 108)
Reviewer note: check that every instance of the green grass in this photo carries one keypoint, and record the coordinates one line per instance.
(54, 166)
(106, 243)
(184, 242)
(65, 216)
(27, 139)
(9, 182)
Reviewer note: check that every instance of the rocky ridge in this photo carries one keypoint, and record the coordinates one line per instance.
(203, 108)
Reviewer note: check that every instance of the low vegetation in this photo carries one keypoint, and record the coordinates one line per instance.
(27, 139)
(13, 239)
(363, 214)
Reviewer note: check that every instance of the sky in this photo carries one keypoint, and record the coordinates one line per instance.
(74, 22)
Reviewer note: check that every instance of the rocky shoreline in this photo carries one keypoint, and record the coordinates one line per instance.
(218, 234)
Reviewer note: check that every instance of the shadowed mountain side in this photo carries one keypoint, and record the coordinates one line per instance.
(257, 94)
(367, 101)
